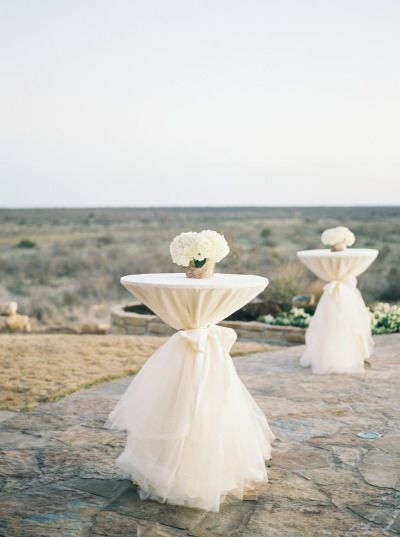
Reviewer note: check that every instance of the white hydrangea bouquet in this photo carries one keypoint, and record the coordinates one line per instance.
(338, 238)
(198, 252)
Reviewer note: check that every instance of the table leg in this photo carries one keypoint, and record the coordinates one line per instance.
(338, 339)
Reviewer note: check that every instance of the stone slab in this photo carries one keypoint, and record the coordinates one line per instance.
(58, 475)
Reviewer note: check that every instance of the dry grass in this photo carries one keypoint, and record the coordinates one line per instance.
(67, 278)
(38, 368)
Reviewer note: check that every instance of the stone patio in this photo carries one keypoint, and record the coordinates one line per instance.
(58, 476)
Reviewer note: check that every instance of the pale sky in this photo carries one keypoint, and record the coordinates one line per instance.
(215, 102)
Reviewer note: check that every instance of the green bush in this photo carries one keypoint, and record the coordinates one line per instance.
(266, 236)
(104, 240)
(287, 281)
(26, 243)
(385, 318)
(294, 317)
(391, 290)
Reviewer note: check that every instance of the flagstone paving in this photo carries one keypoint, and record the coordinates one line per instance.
(58, 478)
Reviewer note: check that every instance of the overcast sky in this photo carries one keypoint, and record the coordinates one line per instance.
(220, 102)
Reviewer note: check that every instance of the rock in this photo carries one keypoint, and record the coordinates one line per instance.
(389, 443)
(303, 427)
(255, 309)
(22, 439)
(129, 504)
(62, 329)
(108, 488)
(6, 415)
(296, 338)
(382, 511)
(48, 511)
(59, 478)
(8, 308)
(15, 323)
(230, 521)
(19, 463)
(298, 519)
(94, 328)
(41, 421)
(110, 524)
(273, 334)
(292, 456)
(140, 320)
(159, 328)
(293, 487)
(303, 301)
(380, 469)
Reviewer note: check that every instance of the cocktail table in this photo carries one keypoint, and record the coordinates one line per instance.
(194, 433)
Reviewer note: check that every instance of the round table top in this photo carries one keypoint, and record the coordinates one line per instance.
(344, 265)
(178, 280)
(348, 252)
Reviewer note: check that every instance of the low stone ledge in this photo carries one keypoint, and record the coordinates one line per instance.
(94, 328)
(8, 308)
(15, 323)
(128, 322)
(253, 326)
(158, 328)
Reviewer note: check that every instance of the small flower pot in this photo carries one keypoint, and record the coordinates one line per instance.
(206, 271)
(339, 246)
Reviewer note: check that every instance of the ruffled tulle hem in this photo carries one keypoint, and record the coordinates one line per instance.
(194, 433)
(353, 368)
(155, 490)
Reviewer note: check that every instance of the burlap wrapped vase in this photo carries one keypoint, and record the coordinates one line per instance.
(206, 271)
(339, 246)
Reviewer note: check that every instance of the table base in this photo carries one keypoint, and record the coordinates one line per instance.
(194, 431)
(338, 339)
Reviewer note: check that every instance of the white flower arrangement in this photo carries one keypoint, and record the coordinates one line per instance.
(385, 318)
(198, 247)
(338, 235)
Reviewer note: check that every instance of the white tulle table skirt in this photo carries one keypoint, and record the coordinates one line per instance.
(338, 339)
(195, 433)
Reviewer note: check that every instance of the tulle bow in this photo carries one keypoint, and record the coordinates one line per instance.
(337, 285)
(199, 339)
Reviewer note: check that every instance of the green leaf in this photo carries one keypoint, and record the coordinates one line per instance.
(198, 263)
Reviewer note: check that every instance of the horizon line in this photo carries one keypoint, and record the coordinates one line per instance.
(68, 207)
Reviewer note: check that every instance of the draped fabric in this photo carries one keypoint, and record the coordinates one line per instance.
(338, 339)
(194, 433)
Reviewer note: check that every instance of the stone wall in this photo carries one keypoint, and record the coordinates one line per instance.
(11, 321)
(124, 322)
(276, 335)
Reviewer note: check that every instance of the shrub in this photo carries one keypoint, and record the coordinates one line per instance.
(266, 237)
(26, 243)
(294, 317)
(69, 298)
(266, 233)
(392, 288)
(385, 318)
(104, 240)
(287, 281)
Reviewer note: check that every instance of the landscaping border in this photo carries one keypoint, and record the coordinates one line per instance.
(126, 322)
